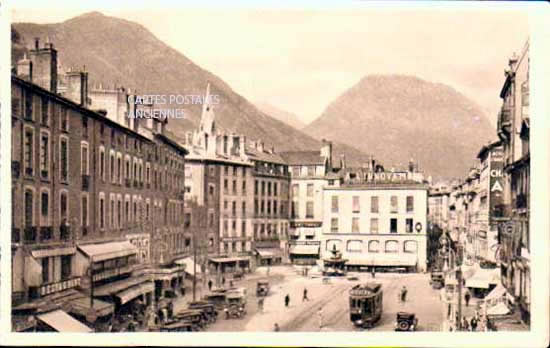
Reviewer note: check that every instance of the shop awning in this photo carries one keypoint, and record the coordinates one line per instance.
(135, 291)
(81, 306)
(106, 251)
(120, 285)
(304, 249)
(496, 293)
(63, 322)
(189, 265)
(229, 259)
(268, 253)
(483, 278)
(383, 259)
(53, 252)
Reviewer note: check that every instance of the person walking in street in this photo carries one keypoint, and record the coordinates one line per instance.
(210, 285)
(473, 323)
(373, 273)
(305, 296)
(320, 317)
(404, 294)
(276, 328)
(287, 300)
(467, 298)
(261, 305)
(465, 324)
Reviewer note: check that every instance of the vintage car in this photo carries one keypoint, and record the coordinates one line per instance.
(365, 302)
(406, 321)
(262, 288)
(207, 307)
(177, 326)
(194, 316)
(217, 298)
(437, 280)
(236, 304)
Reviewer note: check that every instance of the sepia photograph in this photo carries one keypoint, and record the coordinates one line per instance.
(205, 168)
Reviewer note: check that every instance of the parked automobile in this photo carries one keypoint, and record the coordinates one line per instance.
(194, 316)
(437, 280)
(177, 326)
(262, 288)
(406, 321)
(236, 304)
(207, 307)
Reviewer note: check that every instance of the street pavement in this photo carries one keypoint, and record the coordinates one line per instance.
(332, 298)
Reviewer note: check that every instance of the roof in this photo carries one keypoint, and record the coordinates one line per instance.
(303, 157)
(263, 156)
(488, 147)
(63, 322)
(105, 251)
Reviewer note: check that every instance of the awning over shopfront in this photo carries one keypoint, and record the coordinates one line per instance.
(82, 307)
(189, 265)
(228, 259)
(269, 253)
(53, 252)
(304, 249)
(135, 291)
(120, 285)
(63, 322)
(496, 293)
(483, 278)
(384, 259)
(106, 251)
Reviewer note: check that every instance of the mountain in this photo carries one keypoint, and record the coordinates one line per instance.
(396, 118)
(121, 52)
(281, 115)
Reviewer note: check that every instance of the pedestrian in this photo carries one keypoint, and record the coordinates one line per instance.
(467, 298)
(276, 328)
(267, 271)
(473, 323)
(305, 296)
(404, 294)
(210, 285)
(373, 273)
(287, 300)
(261, 305)
(465, 324)
(223, 281)
(320, 317)
(131, 326)
(230, 283)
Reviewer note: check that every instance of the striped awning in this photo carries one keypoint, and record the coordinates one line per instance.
(106, 251)
(135, 291)
(118, 286)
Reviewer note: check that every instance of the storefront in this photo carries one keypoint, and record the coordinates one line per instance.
(304, 253)
(268, 256)
(228, 265)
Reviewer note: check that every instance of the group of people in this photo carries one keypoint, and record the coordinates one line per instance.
(477, 323)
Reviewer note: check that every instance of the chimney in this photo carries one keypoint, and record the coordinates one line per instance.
(77, 87)
(24, 68)
(326, 151)
(44, 65)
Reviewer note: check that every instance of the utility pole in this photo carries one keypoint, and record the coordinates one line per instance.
(194, 263)
(459, 280)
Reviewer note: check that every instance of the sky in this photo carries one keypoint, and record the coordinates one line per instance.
(299, 59)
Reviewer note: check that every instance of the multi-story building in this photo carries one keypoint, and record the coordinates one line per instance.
(93, 201)
(376, 219)
(310, 172)
(513, 131)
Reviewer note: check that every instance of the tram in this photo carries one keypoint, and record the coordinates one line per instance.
(365, 304)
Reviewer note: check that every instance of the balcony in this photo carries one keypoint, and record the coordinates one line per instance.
(15, 169)
(30, 234)
(85, 182)
(16, 235)
(46, 233)
(64, 232)
(53, 287)
(267, 243)
(504, 125)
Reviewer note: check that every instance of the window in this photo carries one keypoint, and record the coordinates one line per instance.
(295, 189)
(256, 187)
(309, 210)
(226, 170)
(84, 126)
(44, 207)
(63, 118)
(28, 106)
(310, 190)
(84, 210)
(310, 170)
(269, 188)
(243, 246)
(256, 207)
(334, 225)
(410, 246)
(334, 204)
(355, 203)
(275, 189)
(262, 206)
(374, 225)
(101, 211)
(211, 189)
(331, 182)
(355, 225)
(392, 246)
(112, 212)
(29, 151)
(64, 158)
(119, 173)
(410, 204)
(409, 225)
(29, 216)
(45, 270)
(243, 206)
(393, 204)
(45, 117)
(44, 155)
(84, 159)
(334, 244)
(268, 207)
(127, 209)
(244, 187)
(374, 204)
(112, 161)
(234, 208)
(294, 212)
(393, 225)
(119, 211)
(102, 163)
(225, 185)
(374, 246)
(65, 267)
(354, 246)
(263, 188)
(210, 219)
(187, 220)
(234, 187)
(63, 207)
(243, 229)
(225, 206)
(275, 207)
